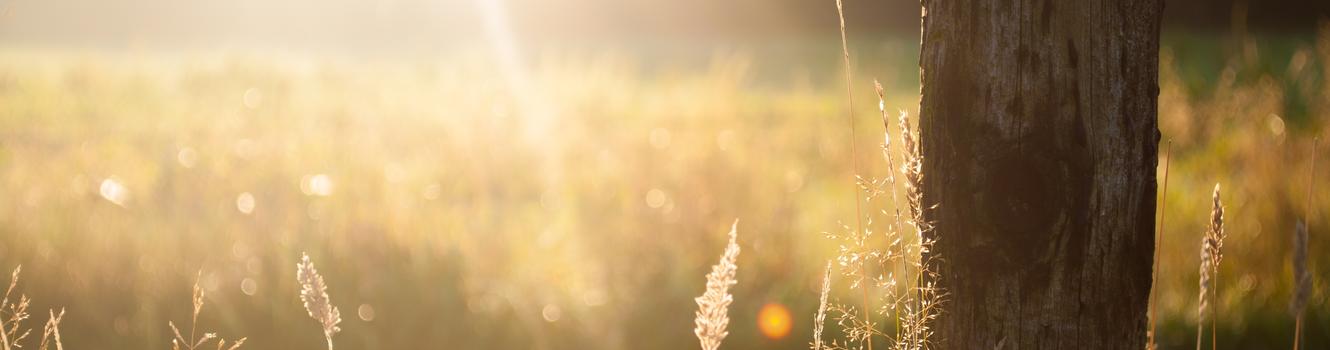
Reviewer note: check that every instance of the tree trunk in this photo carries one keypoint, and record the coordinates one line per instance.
(1039, 140)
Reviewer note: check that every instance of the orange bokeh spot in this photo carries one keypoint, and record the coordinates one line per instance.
(774, 321)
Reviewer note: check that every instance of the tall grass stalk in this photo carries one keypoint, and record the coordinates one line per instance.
(51, 332)
(713, 306)
(1302, 278)
(193, 342)
(1301, 282)
(820, 319)
(891, 177)
(13, 314)
(314, 295)
(926, 296)
(854, 159)
(905, 249)
(909, 300)
(1212, 245)
(1151, 344)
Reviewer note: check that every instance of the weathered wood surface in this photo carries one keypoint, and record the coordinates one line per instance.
(1040, 137)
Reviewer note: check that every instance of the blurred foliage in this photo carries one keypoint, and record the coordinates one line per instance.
(452, 203)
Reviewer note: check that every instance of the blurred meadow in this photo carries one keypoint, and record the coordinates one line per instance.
(567, 196)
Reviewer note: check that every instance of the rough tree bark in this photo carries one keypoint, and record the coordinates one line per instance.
(1039, 136)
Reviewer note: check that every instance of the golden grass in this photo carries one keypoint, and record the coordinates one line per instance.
(890, 265)
(51, 331)
(713, 306)
(314, 295)
(194, 342)
(434, 177)
(13, 312)
(820, 318)
(1212, 244)
(867, 326)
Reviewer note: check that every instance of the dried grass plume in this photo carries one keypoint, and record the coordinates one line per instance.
(821, 317)
(13, 312)
(51, 332)
(713, 306)
(193, 342)
(1211, 254)
(314, 294)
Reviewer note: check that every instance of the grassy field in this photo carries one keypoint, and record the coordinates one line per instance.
(453, 202)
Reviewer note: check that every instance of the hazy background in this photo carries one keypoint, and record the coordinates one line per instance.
(365, 26)
(533, 174)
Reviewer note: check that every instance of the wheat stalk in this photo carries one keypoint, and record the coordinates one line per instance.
(1212, 245)
(713, 306)
(314, 294)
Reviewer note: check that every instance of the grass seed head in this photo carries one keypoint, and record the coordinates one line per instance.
(713, 306)
(314, 295)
